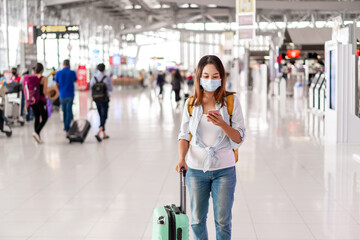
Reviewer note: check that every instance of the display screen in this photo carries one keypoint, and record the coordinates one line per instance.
(332, 76)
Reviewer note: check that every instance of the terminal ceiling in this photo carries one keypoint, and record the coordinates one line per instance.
(155, 14)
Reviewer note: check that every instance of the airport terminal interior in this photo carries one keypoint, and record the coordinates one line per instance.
(293, 66)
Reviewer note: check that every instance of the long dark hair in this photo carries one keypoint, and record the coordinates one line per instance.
(38, 68)
(220, 93)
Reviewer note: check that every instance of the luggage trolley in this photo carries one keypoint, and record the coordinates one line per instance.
(13, 99)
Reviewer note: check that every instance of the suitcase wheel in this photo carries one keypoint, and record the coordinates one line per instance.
(8, 134)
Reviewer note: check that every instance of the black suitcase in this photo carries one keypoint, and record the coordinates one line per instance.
(78, 130)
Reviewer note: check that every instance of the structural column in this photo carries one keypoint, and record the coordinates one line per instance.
(26, 21)
(188, 52)
(182, 48)
(42, 22)
(6, 23)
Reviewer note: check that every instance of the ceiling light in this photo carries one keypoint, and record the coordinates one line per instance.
(137, 6)
(184, 5)
(194, 5)
(211, 5)
(138, 26)
(129, 7)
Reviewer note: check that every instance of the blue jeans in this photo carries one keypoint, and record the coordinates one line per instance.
(103, 108)
(66, 105)
(221, 183)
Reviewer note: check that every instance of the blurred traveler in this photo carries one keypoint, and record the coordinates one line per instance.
(2, 79)
(24, 73)
(15, 76)
(176, 85)
(35, 88)
(142, 76)
(30, 115)
(160, 81)
(207, 137)
(101, 86)
(65, 79)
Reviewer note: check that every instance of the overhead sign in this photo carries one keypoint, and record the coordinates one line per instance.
(293, 53)
(115, 60)
(246, 6)
(58, 32)
(245, 18)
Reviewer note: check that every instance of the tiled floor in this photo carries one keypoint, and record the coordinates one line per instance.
(290, 185)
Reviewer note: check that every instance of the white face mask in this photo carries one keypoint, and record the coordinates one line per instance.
(210, 85)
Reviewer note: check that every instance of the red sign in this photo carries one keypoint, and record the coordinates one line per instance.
(279, 59)
(293, 53)
(31, 34)
(82, 78)
(111, 60)
(358, 52)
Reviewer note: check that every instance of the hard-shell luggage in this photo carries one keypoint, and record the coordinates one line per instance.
(78, 131)
(170, 222)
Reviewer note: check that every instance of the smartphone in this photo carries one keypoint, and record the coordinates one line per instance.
(213, 111)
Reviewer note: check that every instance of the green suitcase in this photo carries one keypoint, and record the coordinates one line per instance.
(170, 222)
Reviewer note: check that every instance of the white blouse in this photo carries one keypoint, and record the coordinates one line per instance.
(210, 148)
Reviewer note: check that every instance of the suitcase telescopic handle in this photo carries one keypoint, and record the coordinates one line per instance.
(182, 190)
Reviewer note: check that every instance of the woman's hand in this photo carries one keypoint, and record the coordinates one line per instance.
(181, 164)
(216, 119)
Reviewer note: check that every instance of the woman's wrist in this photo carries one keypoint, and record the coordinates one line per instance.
(224, 125)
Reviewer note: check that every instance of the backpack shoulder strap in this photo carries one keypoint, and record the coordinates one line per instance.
(230, 105)
(103, 78)
(190, 105)
(96, 80)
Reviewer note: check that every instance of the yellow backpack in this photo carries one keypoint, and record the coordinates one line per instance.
(230, 108)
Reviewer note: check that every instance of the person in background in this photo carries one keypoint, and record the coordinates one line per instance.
(2, 78)
(24, 73)
(15, 77)
(30, 115)
(142, 76)
(176, 86)
(65, 79)
(102, 107)
(52, 74)
(39, 108)
(160, 82)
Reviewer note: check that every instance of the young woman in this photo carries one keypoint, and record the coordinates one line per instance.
(207, 141)
(39, 108)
